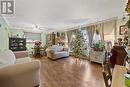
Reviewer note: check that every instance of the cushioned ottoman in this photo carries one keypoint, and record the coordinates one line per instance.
(21, 54)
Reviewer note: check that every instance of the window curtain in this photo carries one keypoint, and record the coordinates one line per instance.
(109, 28)
(106, 30)
(70, 38)
(33, 36)
(69, 35)
(99, 27)
(90, 30)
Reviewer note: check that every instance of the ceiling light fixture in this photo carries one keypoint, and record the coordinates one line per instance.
(35, 27)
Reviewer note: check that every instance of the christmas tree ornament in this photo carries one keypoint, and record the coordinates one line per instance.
(78, 49)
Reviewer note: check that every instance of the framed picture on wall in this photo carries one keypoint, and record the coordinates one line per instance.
(123, 30)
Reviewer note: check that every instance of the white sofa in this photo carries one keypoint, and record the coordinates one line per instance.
(56, 52)
(21, 72)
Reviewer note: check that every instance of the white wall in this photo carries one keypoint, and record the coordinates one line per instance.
(1, 40)
(118, 24)
(43, 37)
(13, 32)
(4, 35)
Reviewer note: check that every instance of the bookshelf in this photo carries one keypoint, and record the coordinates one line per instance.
(17, 44)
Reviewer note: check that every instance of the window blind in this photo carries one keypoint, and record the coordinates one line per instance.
(32, 36)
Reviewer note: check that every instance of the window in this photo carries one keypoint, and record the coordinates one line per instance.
(86, 43)
(32, 36)
(109, 31)
(85, 35)
(96, 37)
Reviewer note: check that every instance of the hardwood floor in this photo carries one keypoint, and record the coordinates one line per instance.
(68, 72)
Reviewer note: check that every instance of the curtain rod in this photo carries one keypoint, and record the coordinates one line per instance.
(102, 21)
(98, 22)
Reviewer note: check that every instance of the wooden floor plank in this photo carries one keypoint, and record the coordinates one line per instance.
(68, 72)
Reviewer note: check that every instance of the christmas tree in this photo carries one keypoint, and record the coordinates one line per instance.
(78, 49)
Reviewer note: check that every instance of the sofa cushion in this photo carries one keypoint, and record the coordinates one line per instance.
(57, 48)
(61, 54)
(7, 57)
(4, 65)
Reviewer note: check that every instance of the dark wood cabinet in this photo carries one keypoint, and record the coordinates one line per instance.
(121, 54)
(17, 44)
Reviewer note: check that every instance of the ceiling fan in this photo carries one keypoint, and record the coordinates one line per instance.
(36, 27)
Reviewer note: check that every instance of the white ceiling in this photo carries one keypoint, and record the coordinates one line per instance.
(61, 14)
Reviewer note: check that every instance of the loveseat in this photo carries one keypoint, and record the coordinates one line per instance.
(22, 72)
(56, 52)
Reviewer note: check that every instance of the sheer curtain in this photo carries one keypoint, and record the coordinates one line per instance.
(86, 39)
(96, 37)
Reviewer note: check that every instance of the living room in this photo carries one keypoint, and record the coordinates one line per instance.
(61, 43)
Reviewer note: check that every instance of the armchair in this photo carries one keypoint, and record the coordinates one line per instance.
(21, 72)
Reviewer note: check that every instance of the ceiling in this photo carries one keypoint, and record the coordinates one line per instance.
(51, 15)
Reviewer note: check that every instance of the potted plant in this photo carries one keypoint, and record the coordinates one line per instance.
(98, 46)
